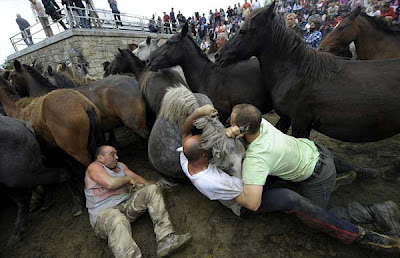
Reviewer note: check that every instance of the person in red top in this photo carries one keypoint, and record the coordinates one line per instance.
(167, 23)
(388, 13)
(246, 5)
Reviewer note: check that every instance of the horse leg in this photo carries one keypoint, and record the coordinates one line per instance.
(283, 125)
(301, 128)
(21, 196)
(77, 197)
(111, 138)
(344, 167)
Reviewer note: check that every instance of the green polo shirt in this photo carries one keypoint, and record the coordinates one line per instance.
(277, 154)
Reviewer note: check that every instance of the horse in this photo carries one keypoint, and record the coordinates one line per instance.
(63, 120)
(75, 75)
(21, 168)
(166, 135)
(145, 48)
(352, 101)
(226, 87)
(117, 97)
(373, 38)
(152, 84)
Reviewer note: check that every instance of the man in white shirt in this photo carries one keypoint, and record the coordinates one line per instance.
(255, 5)
(217, 185)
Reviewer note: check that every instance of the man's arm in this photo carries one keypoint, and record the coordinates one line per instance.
(133, 175)
(200, 112)
(100, 176)
(251, 197)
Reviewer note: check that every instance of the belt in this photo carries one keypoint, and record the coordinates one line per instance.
(320, 163)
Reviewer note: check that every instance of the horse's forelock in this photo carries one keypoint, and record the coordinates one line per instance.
(213, 138)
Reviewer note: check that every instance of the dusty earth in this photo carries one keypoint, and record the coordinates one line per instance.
(216, 231)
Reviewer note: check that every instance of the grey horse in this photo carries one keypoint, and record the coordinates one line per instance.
(166, 135)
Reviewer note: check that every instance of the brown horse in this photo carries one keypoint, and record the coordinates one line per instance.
(373, 38)
(62, 118)
(75, 75)
(118, 98)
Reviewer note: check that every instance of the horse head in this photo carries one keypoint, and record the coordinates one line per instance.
(343, 34)
(253, 37)
(145, 48)
(171, 52)
(19, 79)
(227, 153)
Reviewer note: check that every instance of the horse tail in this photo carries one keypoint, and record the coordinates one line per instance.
(178, 103)
(96, 136)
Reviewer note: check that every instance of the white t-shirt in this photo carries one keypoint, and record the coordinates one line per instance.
(215, 184)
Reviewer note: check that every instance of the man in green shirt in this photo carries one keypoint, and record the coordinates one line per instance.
(270, 152)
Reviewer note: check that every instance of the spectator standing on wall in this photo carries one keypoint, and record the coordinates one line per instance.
(81, 13)
(25, 32)
(71, 18)
(167, 23)
(53, 10)
(115, 11)
(40, 15)
(172, 19)
(93, 14)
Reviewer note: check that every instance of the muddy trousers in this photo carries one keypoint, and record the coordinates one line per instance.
(286, 200)
(114, 223)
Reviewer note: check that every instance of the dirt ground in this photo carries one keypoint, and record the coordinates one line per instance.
(216, 231)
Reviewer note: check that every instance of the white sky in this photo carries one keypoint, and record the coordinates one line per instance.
(9, 9)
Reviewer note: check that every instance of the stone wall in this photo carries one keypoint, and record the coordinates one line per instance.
(79, 45)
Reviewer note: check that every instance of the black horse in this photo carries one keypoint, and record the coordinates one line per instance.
(353, 101)
(226, 87)
(21, 167)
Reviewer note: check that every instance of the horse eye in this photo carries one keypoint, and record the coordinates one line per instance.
(242, 31)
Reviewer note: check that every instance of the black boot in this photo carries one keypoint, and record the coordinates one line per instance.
(386, 215)
(378, 241)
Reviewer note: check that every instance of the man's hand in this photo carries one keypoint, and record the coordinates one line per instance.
(207, 110)
(233, 132)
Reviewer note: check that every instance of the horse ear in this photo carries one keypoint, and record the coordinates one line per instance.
(185, 30)
(49, 70)
(119, 50)
(63, 66)
(17, 66)
(355, 13)
(34, 62)
(148, 40)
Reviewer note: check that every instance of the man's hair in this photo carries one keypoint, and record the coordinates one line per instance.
(193, 151)
(100, 150)
(246, 114)
(222, 35)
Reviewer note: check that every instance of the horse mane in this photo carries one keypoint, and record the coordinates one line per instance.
(178, 103)
(73, 74)
(312, 65)
(63, 81)
(199, 51)
(38, 77)
(213, 138)
(380, 24)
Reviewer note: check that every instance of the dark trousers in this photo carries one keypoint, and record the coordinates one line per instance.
(311, 208)
(286, 200)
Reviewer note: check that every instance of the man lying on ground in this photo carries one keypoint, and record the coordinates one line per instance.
(256, 196)
(112, 208)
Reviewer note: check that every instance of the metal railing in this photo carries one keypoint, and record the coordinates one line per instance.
(87, 18)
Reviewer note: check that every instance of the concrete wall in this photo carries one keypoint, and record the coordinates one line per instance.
(94, 46)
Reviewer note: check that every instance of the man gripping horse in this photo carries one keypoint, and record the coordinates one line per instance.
(256, 196)
(112, 208)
